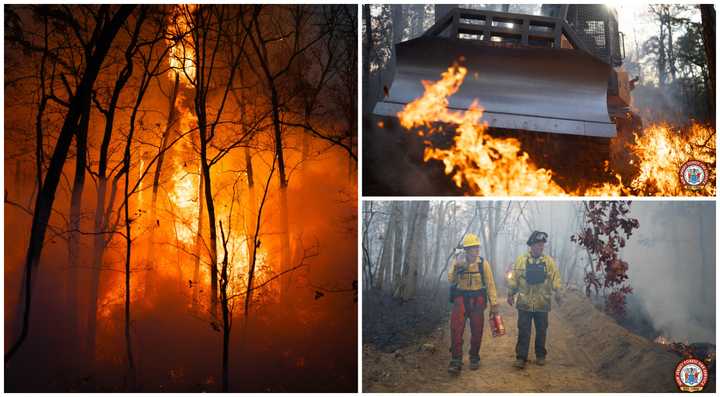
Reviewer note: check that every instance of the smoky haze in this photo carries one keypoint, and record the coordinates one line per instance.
(670, 257)
(672, 268)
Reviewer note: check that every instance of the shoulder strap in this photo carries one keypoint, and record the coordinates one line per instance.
(481, 267)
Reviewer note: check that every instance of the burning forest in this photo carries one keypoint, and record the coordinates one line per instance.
(529, 100)
(611, 328)
(180, 198)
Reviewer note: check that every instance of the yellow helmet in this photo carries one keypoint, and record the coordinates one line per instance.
(470, 240)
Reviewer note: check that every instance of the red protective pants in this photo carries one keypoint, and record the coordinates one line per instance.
(472, 308)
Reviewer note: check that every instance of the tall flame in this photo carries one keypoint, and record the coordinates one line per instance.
(498, 166)
(487, 165)
(182, 53)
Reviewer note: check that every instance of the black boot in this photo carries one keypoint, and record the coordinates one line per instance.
(519, 363)
(455, 366)
(474, 363)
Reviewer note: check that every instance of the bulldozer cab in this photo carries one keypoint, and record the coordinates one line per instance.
(546, 68)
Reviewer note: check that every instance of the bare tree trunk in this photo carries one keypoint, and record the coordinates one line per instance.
(46, 196)
(210, 207)
(171, 120)
(256, 243)
(102, 213)
(398, 242)
(198, 244)
(439, 232)
(226, 315)
(671, 54)
(251, 204)
(707, 12)
(201, 88)
(284, 228)
(661, 61)
(386, 259)
(128, 249)
(417, 220)
(422, 248)
(75, 209)
(368, 103)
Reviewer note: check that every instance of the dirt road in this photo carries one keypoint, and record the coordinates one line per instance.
(587, 352)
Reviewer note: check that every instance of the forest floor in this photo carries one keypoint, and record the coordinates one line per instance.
(587, 352)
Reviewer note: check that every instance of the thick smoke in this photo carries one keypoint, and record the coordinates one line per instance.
(672, 268)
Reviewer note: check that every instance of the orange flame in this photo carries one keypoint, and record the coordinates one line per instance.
(498, 166)
(487, 165)
(663, 150)
(182, 55)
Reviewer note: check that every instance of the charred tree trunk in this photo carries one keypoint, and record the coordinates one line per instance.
(102, 213)
(201, 88)
(128, 249)
(250, 207)
(285, 237)
(46, 197)
(210, 206)
(198, 244)
(256, 244)
(226, 315)
(75, 209)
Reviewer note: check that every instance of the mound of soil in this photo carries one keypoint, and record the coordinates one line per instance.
(615, 352)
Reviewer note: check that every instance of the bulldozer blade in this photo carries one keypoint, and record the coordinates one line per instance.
(561, 91)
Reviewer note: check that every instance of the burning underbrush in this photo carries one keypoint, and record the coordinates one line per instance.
(481, 164)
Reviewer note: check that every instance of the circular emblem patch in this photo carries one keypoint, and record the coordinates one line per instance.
(693, 174)
(691, 375)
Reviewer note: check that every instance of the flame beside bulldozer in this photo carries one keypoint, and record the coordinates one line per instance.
(481, 164)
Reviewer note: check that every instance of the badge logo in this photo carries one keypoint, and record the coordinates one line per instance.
(694, 174)
(691, 375)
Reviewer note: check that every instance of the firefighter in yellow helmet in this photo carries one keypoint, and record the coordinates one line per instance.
(471, 287)
(534, 278)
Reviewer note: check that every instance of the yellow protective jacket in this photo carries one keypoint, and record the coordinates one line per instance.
(534, 298)
(471, 279)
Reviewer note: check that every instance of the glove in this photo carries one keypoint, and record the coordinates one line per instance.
(493, 309)
(510, 299)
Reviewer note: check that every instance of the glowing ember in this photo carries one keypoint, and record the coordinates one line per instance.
(497, 166)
